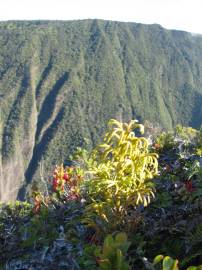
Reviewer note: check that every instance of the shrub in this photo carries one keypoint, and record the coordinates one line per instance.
(120, 175)
(66, 182)
(112, 255)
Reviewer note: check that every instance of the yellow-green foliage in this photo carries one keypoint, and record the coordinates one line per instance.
(167, 262)
(199, 152)
(186, 133)
(112, 255)
(199, 145)
(171, 264)
(165, 140)
(121, 172)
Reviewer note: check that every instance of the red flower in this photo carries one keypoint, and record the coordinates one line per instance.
(157, 146)
(66, 177)
(37, 204)
(189, 186)
(55, 184)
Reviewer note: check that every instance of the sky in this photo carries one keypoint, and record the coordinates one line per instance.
(172, 14)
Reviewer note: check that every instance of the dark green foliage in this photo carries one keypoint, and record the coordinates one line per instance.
(49, 239)
(13, 218)
(112, 255)
(174, 218)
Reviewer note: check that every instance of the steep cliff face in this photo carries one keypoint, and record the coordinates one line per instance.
(60, 82)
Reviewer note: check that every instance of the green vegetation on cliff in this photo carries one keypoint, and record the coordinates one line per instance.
(60, 82)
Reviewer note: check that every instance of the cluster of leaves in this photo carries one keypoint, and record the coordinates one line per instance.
(150, 191)
(119, 177)
(67, 182)
(112, 254)
(171, 264)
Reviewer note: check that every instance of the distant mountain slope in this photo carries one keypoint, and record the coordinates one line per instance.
(60, 82)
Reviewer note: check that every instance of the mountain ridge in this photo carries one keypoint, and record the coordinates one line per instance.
(61, 82)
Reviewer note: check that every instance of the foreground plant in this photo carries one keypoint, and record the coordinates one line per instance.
(66, 182)
(120, 175)
(167, 263)
(112, 255)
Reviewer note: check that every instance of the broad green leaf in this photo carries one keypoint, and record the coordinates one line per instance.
(175, 265)
(121, 237)
(107, 251)
(119, 260)
(168, 263)
(105, 264)
(158, 259)
(108, 241)
(125, 266)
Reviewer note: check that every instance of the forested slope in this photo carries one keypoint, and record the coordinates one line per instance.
(61, 82)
